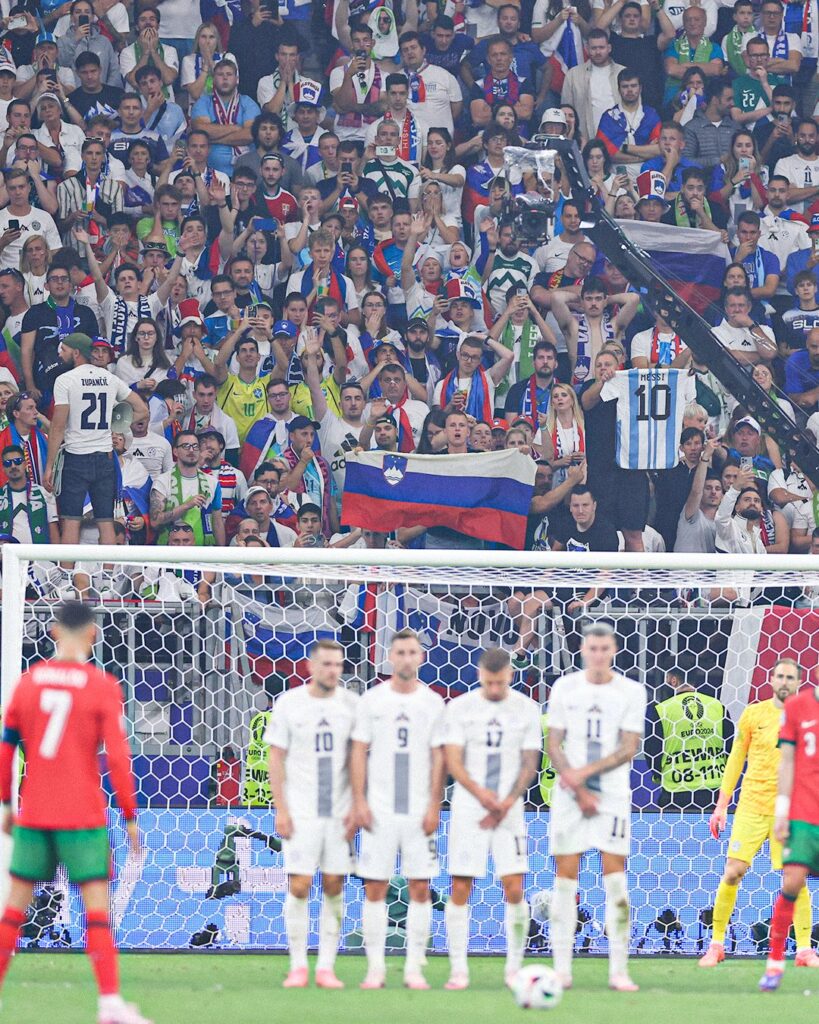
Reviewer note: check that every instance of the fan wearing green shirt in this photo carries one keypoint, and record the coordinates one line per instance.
(753, 91)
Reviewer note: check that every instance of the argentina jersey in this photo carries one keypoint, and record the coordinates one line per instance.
(650, 407)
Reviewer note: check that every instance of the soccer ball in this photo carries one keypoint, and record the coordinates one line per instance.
(537, 988)
(540, 905)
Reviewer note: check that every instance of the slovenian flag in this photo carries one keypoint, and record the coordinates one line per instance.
(490, 500)
(692, 260)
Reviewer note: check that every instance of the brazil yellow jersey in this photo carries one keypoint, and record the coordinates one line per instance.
(756, 739)
(302, 404)
(244, 403)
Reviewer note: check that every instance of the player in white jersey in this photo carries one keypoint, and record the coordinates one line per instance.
(309, 735)
(595, 726)
(493, 749)
(397, 792)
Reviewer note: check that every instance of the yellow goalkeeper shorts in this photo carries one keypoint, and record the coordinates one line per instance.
(749, 833)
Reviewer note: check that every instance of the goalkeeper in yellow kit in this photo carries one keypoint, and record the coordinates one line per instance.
(756, 743)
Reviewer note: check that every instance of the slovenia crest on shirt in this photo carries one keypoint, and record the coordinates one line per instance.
(394, 467)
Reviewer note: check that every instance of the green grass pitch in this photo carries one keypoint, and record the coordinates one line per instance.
(194, 989)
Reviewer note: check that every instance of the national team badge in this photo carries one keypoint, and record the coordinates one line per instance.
(394, 468)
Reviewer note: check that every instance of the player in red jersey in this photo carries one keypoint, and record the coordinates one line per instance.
(796, 821)
(61, 712)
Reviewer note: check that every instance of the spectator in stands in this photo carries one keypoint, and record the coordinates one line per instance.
(753, 90)
(739, 518)
(802, 374)
(691, 46)
(591, 88)
(27, 511)
(802, 168)
(188, 494)
(709, 132)
(226, 116)
(696, 526)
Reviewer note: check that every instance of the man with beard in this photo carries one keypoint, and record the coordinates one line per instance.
(739, 518)
(802, 169)
(587, 334)
(226, 117)
(530, 396)
(188, 495)
(424, 364)
(507, 266)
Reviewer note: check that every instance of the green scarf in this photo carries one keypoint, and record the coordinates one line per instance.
(161, 51)
(681, 218)
(35, 510)
(197, 518)
(734, 49)
(701, 54)
(528, 339)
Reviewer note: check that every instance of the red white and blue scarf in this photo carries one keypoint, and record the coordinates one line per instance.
(478, 402)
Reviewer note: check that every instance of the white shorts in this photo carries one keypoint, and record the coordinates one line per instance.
(570, 832)
(469, 846)
(318, 844)
(391, 835)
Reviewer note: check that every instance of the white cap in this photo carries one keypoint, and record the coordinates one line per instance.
(748, 421)
(554, 115)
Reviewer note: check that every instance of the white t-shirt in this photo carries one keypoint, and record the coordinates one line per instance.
(153, 452)
(794, 482)
(108, 306)
(337, 438)
(602, 97)
(493, 734)
(801, 174)
(739, 339)
(128, 61)
(90, 393)
(35, 222)
(641, 343)
(593, 716)
(124, 368)
(180, 19)
(696, 534)
(315, 732)
(401, 729)
(553, 255)
(441, 89)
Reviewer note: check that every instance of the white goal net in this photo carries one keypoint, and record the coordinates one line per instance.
(205, 640)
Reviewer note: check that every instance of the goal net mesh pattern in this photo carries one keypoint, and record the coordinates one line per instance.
(203, 649)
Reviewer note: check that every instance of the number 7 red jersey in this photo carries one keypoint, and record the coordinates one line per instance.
(800, 727)
(61, 714)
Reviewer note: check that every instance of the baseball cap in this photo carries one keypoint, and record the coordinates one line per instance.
(300, 422)
(7, 69)
(499, 424)
(102, 343)
(256, 489)
(43, 96)
(154, 245)
(554, 115)
(814, 223)
(285, 327)
(385, 419)
(748, 421)
(79, 342)
(273, 156)
(7, 377)
(457, 288)
(419, 322)
(348, 203)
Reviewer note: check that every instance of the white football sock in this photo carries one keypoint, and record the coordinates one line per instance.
(516, 923)
(332, 910)
(618, 922)
(419, 922)
(563, 923)
(457, 931)
(374, 930)
(296, 921)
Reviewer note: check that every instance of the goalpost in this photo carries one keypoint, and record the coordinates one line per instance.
(204, 639)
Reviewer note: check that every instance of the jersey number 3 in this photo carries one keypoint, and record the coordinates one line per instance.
(57, 705)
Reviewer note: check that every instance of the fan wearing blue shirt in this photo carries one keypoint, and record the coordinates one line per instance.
(802, 374)
(226, 117)
(762, 267)
(527, 56)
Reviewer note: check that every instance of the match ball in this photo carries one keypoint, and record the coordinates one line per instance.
(537, 987)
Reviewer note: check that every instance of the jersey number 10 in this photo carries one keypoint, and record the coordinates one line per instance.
(653, 403)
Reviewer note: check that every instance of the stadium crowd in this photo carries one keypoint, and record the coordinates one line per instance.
(277, 227)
